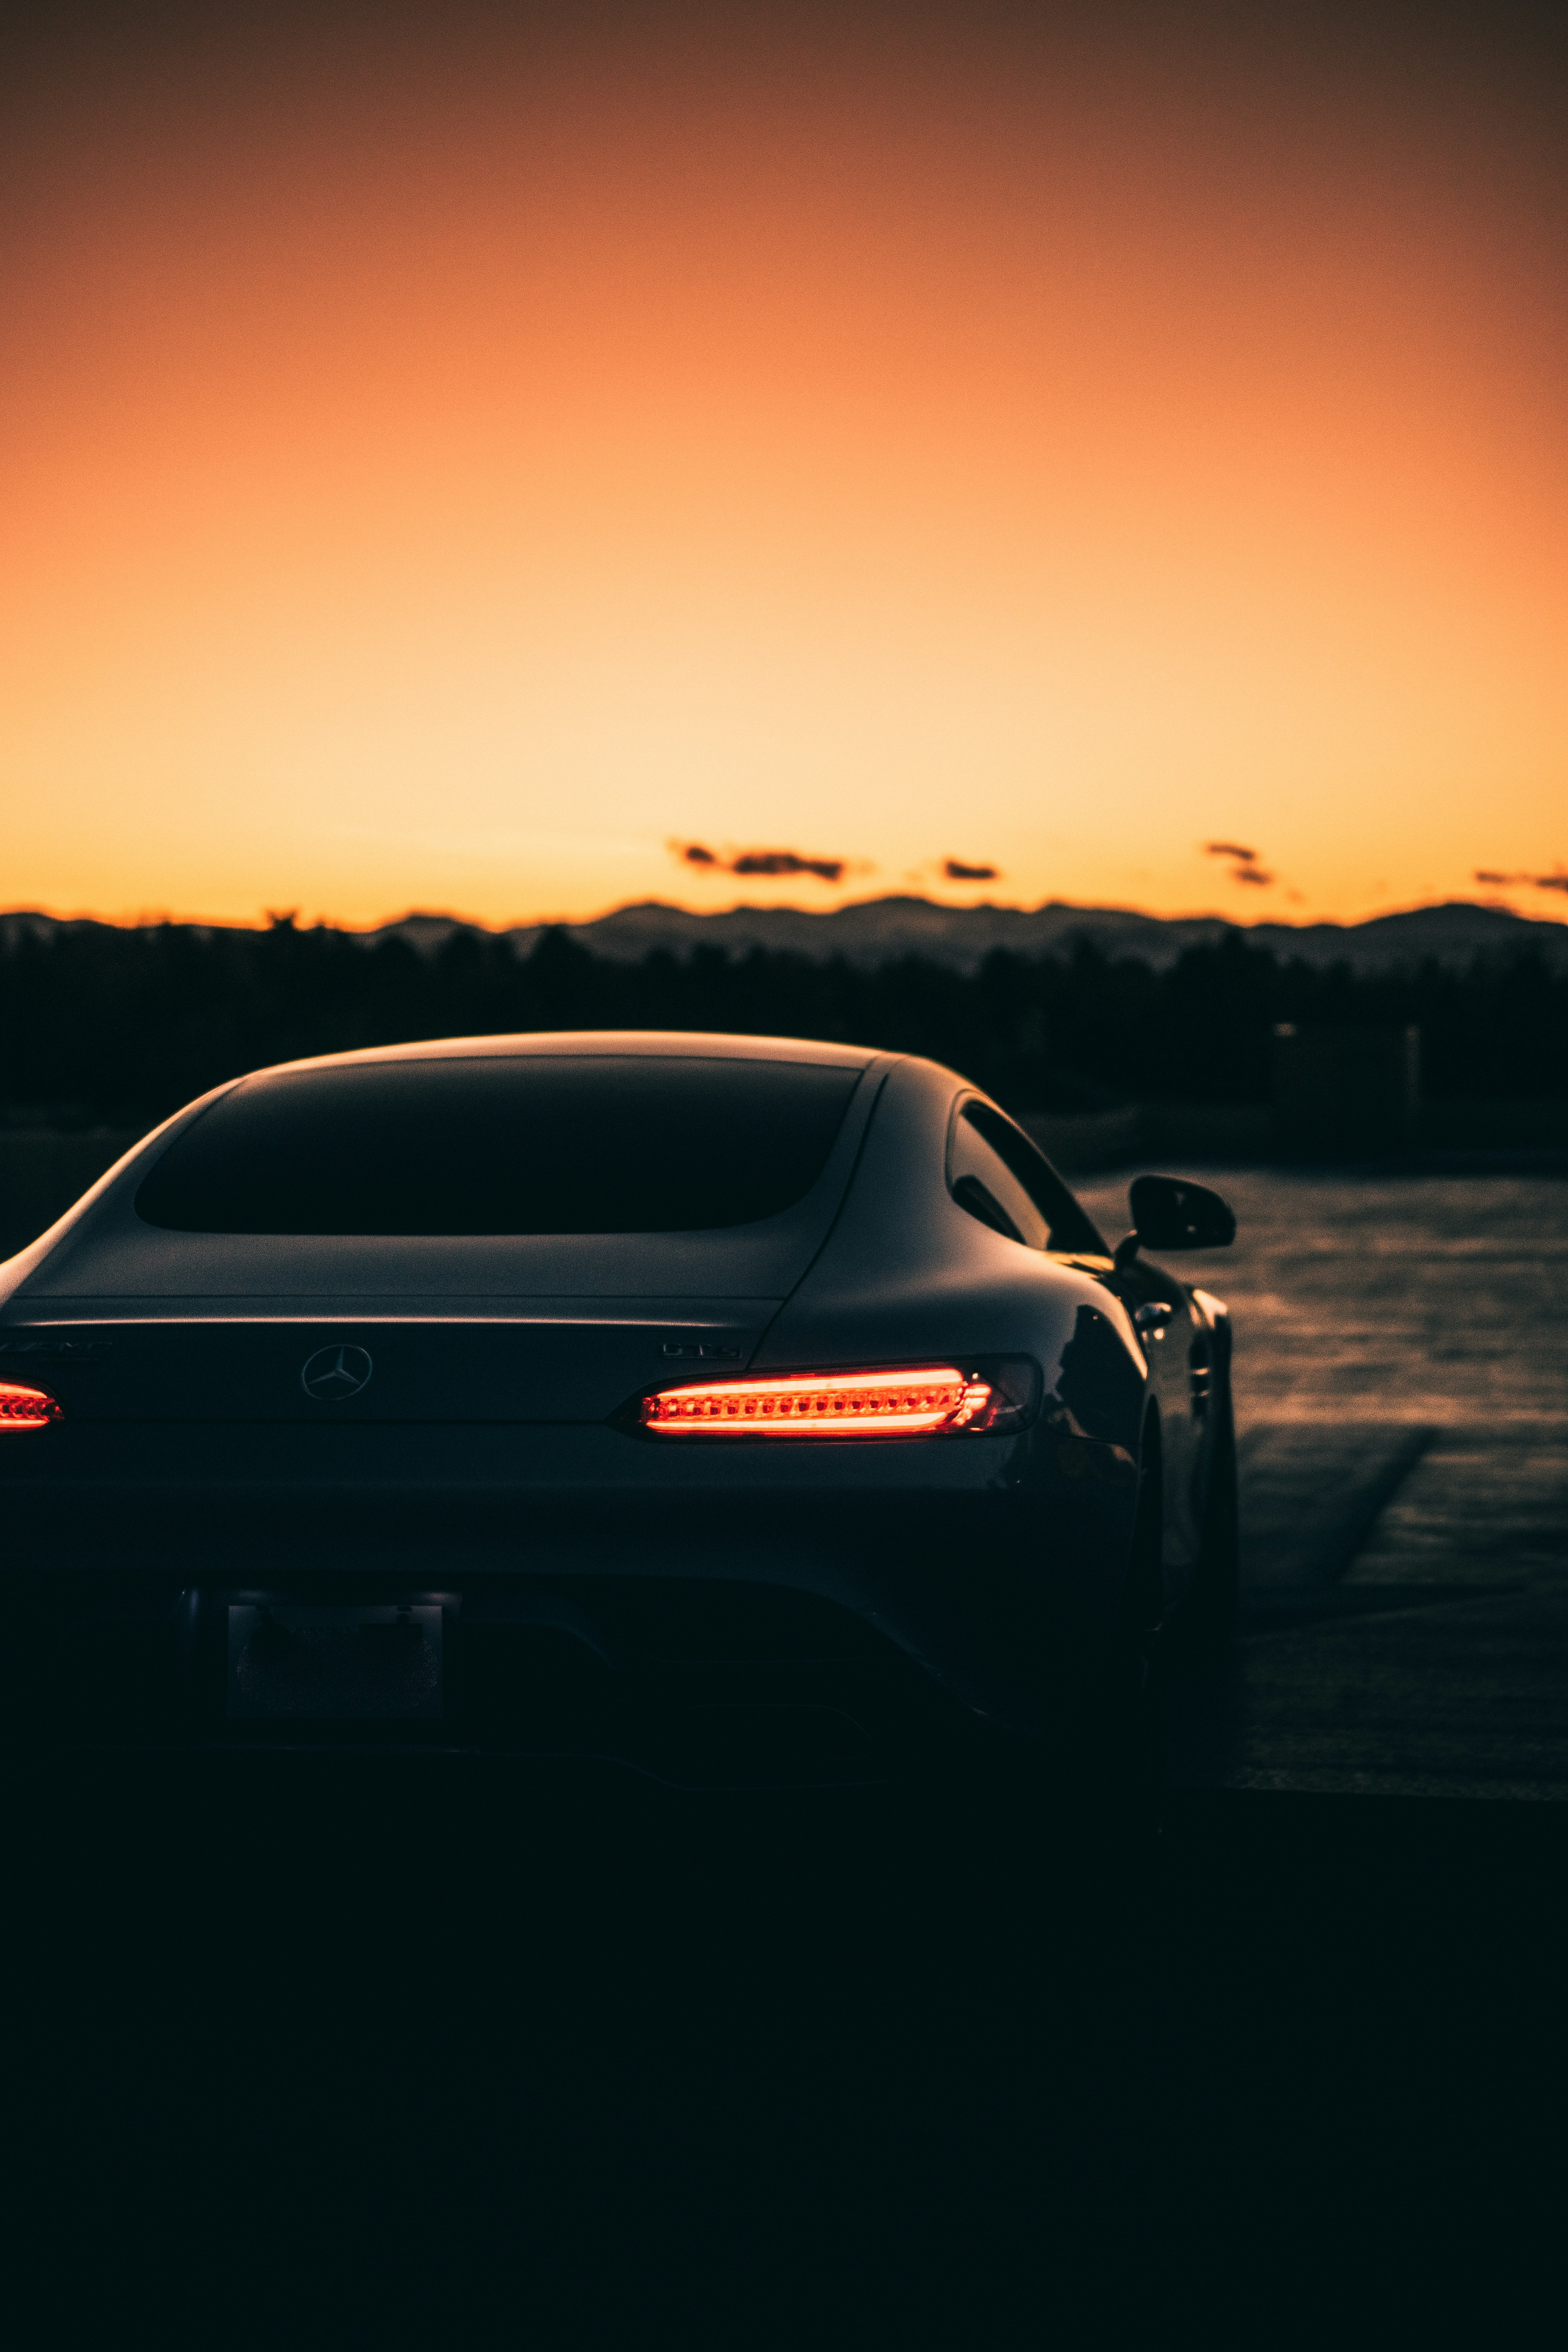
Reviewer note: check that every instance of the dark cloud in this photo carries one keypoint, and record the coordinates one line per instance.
(768, 862)
(954, 869)
(1558, 881)
(1245, 866)
(788, 861)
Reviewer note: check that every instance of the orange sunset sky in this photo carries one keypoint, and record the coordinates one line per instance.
(446, 460)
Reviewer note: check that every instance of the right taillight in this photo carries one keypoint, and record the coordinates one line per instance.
(26, 1408)
(931, 1401)
(821, 1405)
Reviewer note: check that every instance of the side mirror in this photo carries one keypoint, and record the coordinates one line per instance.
(1171, 1214)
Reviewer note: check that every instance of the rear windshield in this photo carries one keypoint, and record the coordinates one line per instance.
(608, 1144)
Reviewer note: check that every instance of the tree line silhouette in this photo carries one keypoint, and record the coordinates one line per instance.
(123, 1026)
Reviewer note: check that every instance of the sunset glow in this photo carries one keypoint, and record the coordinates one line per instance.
(470, 472)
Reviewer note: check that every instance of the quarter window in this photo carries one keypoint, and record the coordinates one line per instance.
(999, 1176)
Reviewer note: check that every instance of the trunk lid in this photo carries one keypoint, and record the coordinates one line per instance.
(550, 1361)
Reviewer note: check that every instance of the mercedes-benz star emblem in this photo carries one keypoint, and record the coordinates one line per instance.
(333, 1372)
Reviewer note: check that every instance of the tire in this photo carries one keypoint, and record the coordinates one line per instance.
(1134, 1736)
(1208, 1614)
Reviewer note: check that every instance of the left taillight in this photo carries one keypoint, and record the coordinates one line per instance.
(26, 1408)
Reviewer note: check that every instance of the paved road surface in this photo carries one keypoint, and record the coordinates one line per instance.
(1402, 1390)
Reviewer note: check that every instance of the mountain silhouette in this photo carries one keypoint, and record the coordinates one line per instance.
(875, 931)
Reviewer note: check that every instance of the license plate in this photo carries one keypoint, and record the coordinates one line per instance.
(310, 1664)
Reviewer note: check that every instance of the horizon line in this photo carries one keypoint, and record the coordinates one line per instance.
(147, 920)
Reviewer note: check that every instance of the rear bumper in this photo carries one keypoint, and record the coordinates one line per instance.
(694, 1685)
(597, 1596)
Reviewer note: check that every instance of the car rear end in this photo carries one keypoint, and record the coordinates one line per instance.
(327, 1457)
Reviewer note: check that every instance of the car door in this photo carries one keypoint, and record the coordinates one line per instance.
(996, 1172)
(1172, 1337)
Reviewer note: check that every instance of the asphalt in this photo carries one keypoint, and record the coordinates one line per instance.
(368, 2054)
(1401, 1392)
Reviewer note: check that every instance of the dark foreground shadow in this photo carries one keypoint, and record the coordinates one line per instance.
(571, 2057)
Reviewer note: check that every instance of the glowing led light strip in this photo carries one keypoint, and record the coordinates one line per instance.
(25, 1408)
(825, 1404)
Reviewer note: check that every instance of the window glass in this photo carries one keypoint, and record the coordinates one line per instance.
(989, 1151)
(504, 1144)
(983, 1183)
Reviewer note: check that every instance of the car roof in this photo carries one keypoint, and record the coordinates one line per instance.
(644, 1045)
(103, 1251)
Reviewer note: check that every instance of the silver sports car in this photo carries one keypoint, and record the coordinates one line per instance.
(748, 1411)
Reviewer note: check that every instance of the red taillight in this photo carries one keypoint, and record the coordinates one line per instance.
(924, 1403)
(23, 1408)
